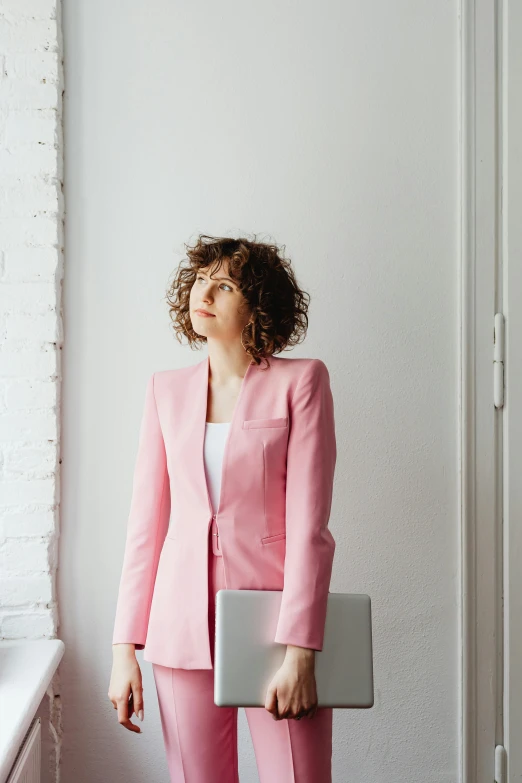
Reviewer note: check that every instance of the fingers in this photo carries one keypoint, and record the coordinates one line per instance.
(303, 714)
(271, 702)
(294, 711)
(124, 704)
(125, 711)
(137, 694)
(282, 706)
(126, 689)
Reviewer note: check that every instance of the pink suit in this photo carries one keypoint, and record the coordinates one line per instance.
(276, 494)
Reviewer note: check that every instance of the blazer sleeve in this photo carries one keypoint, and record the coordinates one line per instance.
(310, 545)
(147, 525)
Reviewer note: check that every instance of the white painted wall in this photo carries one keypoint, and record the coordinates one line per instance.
(331, 128)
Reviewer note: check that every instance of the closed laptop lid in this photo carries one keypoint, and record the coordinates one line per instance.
(246, 657)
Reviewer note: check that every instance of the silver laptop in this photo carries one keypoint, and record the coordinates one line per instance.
(246, 657)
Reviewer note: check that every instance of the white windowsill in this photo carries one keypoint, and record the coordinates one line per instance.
(26, 669)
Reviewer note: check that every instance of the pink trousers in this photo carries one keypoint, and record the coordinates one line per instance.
(201, 739)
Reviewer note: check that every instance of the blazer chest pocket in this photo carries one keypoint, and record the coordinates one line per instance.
(275, 537)
(251, 424)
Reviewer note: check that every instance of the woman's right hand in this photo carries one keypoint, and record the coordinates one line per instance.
(126, 682)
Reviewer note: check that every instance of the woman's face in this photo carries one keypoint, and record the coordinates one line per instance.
(220, 296)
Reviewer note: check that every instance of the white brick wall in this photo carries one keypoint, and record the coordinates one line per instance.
(31, 268)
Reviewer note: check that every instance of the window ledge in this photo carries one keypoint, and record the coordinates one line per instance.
(26, 669)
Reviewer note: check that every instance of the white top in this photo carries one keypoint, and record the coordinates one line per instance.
(216, 434)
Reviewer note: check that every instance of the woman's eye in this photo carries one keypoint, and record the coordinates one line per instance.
(227, 285)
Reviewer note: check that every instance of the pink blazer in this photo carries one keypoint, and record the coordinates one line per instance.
(276, 495)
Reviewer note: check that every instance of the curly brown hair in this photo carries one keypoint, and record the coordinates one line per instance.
(265, 278)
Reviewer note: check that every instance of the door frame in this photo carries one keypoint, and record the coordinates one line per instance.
(512, 453)
(481, 670)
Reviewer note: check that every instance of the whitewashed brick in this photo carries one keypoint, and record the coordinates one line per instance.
(29, 95)
(30, 425)
(35, 159)
(22, 558)
(40, 624)
(28, 364)
(20, 591)
(30, 462)
(42, 328)
(30, 231)
(28, 196)
(31, 332)
(24, 493)
(37, 523)
(36, 9)
(31, 263)
(30, 393)
(28, 297)
(24, 344)
(35, 66)
(28, 35)
(31, 127)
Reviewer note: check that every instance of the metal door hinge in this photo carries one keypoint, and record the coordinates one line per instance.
(498, 361)
(500, 764)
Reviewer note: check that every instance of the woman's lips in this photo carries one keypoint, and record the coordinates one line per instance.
(203, 314)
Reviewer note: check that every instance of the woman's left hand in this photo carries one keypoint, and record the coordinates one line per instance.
(292, 691)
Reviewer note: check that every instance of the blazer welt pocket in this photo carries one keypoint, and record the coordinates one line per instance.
(270, 539)
(251, 424)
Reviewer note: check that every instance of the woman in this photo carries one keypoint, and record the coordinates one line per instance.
(247, 454)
